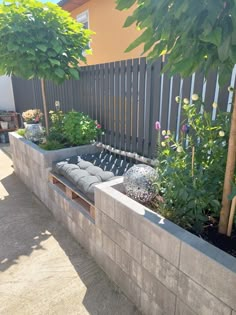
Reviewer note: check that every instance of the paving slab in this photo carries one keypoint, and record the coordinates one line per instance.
(42, 269)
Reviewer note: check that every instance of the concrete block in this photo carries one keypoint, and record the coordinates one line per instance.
(157, 292)
(199, 299)
(160, 268)
(129, 287)
(120, 236)
(129, 266)
(183, 309)
(105, 202)
(107, 265)
(109, 247)
(149, 307)
(218, 275)
(148, 227)
(98, 237)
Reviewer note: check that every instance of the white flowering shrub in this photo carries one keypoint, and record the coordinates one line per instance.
(192, 169)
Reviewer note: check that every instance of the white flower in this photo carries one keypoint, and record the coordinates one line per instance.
(186, 101)
(168, 132)
(163, 144)
(214, 105)
(163, 132)
(177, 99)
(195, 97)
(221, 133)
(179, 149)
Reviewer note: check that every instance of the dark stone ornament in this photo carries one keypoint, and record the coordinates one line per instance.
(138, 183)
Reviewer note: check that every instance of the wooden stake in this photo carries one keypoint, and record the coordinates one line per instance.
(45, 106)
(231, 217)
(229, 173)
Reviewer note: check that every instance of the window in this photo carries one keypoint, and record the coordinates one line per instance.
(83, 18)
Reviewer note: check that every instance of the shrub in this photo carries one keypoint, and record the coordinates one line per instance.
(56, 130)
(21, 132)
(51, 145)
(192, 168)
(80, 128)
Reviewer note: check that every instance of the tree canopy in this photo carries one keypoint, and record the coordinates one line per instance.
(197, 35)
(40, 40)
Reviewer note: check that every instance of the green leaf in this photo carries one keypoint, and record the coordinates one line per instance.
(42, 47)
(214, 37)
(60, 73)
(142, 38)
(12, 46)
(74, 73)
(129, 21)
(224, 49)
(124, 4)
(54, 62)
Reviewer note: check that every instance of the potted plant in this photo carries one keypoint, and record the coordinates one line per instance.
(32, 121)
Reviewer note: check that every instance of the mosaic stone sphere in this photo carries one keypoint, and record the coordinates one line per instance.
(34, 132)
(138, 183)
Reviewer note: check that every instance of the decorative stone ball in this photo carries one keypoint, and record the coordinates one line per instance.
(138, 183)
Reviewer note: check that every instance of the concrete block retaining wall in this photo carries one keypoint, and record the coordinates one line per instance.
(162, 268)
(32, 164)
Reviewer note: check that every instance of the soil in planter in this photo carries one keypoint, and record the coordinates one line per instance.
(210, 233)
(227, 244)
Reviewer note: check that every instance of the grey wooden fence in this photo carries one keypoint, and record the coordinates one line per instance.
(126, 97)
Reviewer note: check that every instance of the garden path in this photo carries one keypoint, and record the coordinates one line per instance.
(43, 271)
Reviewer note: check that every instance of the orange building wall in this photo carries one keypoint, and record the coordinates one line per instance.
(111, 39)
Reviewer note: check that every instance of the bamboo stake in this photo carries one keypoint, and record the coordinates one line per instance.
(229, 173)
(45, 106)
(193, 156)
(231, 216)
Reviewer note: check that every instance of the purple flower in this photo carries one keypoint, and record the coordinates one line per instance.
(185, 128)
(157, 125)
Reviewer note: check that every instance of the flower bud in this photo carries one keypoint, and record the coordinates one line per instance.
(195, 97)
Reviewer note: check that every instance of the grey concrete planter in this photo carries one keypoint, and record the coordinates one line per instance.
(32, 164)
(162, 268)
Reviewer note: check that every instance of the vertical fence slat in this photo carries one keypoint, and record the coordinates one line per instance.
(93, 93)
(141, 103)
(112, 103)
(117, 104)
(135, 104)
(155, 105)
(174, 105)
(106, 102)
(147, 121)
(122, 105)
(128, 105)
(210, 90)
(99, 94)
(103, 109)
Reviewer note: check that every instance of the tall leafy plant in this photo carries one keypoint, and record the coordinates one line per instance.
(191, 170)
(40, 40)
(196, 35)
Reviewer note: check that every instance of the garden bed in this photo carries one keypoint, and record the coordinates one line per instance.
(162, 268)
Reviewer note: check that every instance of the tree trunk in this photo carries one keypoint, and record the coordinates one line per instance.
(229, 174)
(45, 106)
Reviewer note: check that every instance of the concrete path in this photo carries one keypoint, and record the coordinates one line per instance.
(42, 269)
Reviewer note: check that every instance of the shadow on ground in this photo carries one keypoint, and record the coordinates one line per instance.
(41, 263)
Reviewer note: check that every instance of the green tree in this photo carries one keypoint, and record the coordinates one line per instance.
(196, 35)
(40, 40)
